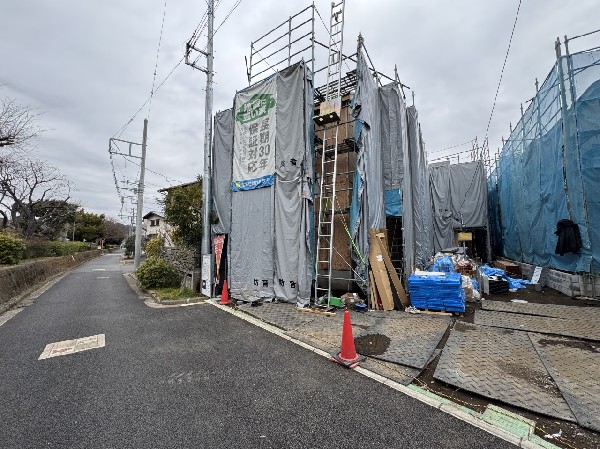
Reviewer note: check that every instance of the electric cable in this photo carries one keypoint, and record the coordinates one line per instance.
(453, 146)
(120, 132)
(502, 71)
(162, 25)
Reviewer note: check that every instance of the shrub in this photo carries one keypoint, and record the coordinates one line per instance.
(36, 247)
(129, 245)
(154, 247)
(157, 273)
(11, 249)
(58, 248)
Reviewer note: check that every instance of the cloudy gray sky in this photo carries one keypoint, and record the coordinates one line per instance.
(88, 67)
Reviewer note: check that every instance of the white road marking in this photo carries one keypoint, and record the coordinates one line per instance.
(8, 315)
(71, 346)
(102, 277)
(98, 269)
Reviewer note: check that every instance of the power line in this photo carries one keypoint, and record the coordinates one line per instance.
(118, 133)
(201, 25)
(162, 25)
(447, 156)
(228, 14)
(155, 172)
(453, 146)
(502, 71)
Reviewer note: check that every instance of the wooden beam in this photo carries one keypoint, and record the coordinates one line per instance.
(378, 238)
(320, 312)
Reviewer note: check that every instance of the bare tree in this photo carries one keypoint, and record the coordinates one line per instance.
(18, 124)
(33, 195)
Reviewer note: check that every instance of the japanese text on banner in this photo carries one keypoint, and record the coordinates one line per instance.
(254, 137)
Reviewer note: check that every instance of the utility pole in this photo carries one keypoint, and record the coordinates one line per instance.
(113, 148)
(207, 264)
(206, 182)
(140, 201)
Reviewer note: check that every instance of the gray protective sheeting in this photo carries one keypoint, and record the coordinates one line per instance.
(459, 197)
(420, 244)
(251, 242)
(289, 153)
(221, 178)
(393, 135)
(390, 158)
(271, 227)
(368, 211)
(306, 266)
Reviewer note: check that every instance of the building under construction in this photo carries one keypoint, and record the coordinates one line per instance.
(348, 158)
(319, 188)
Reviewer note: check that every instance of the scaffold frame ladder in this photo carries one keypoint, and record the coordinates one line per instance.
(329, 156)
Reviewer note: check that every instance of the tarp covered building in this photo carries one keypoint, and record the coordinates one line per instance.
(262, 177)
(548, 171)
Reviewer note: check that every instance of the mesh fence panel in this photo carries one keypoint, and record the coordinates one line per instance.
(538, 182)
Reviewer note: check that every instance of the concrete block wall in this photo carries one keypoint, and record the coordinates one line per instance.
(567, 283)
(590, 285)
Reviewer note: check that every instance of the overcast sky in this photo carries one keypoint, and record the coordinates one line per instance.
(88, 67)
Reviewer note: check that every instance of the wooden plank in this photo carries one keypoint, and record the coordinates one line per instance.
(382, 234)
(432, 312)
(374, 295)
(382, 280)
(379, 239)
(392, 271)
(372, 287)
(320, 312)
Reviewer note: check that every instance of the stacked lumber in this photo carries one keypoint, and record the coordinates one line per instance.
(381, 272)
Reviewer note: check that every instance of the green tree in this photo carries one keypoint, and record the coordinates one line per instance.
(183, 210)
(129, 245)
(52, 217)
(89, 226)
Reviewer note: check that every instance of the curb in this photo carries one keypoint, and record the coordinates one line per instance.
(414, 392)
(150, 300)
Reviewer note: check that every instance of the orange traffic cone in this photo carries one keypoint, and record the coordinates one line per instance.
(224, 294)
(347, 355)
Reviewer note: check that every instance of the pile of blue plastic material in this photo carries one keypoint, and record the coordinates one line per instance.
(443, 264)
(437, 292)
(513, 283)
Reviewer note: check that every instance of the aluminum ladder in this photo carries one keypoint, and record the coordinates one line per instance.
(327, 199)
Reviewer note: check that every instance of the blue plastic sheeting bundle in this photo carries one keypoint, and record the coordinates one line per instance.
(475, 284)
(437, 292)
(513, 284)
(443, 264)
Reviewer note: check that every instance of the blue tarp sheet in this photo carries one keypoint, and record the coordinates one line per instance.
(513, 283)
(536, 182)
(437, 292)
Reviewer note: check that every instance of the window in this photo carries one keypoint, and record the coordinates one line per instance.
(154, 222)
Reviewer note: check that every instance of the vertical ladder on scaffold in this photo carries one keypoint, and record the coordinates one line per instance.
(329, 113)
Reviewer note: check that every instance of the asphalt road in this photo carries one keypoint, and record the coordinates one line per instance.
(190, 377)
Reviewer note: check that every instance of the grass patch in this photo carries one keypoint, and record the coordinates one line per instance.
(175, 293)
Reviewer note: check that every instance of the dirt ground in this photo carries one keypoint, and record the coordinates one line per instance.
(572, 435)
